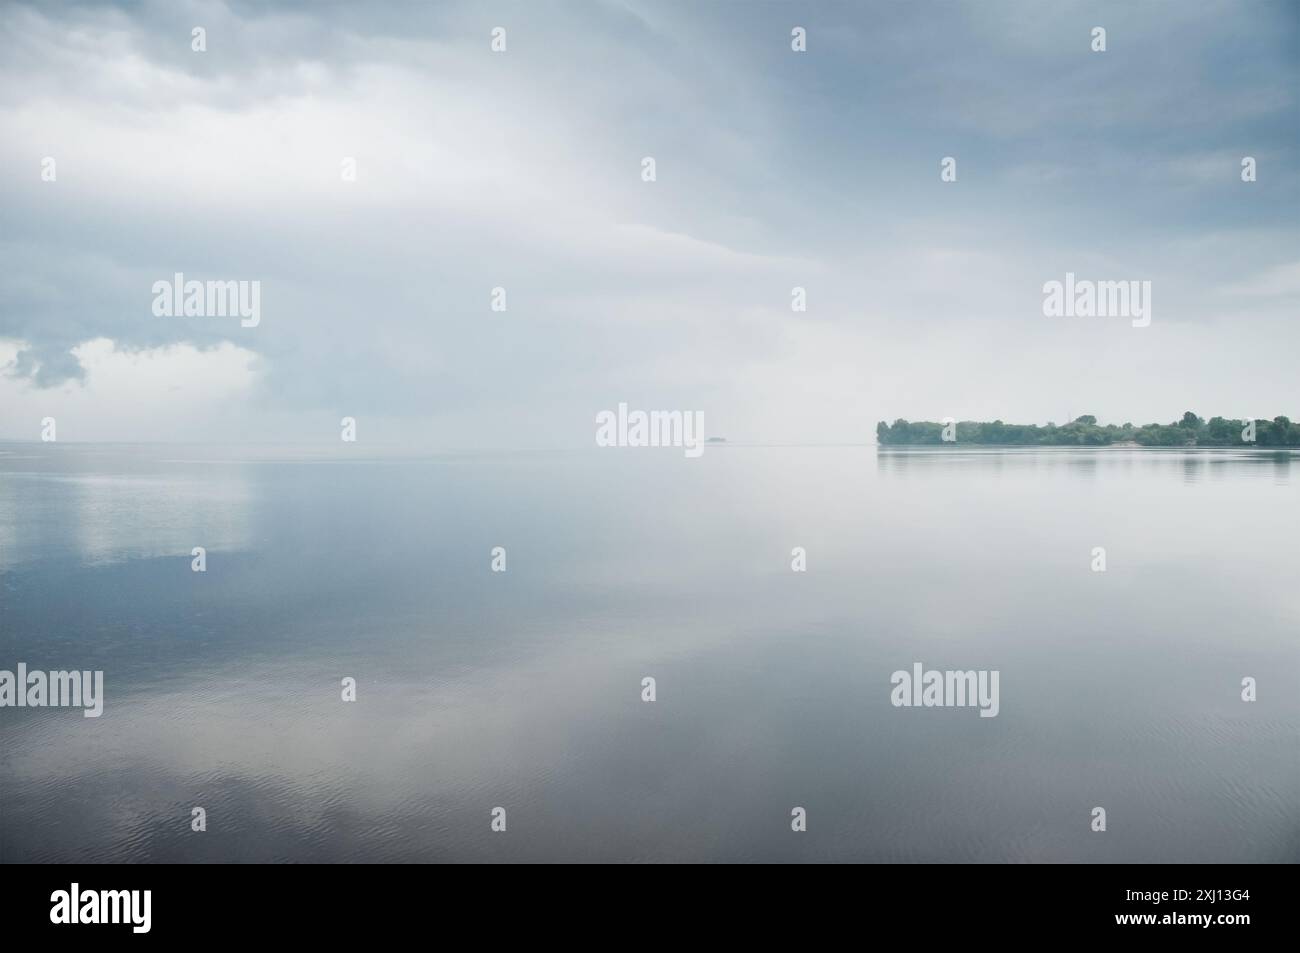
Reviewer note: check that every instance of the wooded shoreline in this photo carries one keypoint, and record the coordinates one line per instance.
(1190, 431)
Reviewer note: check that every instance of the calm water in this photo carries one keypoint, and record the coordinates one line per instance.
(522, 689)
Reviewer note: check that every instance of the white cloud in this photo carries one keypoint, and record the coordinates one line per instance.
(177, 392)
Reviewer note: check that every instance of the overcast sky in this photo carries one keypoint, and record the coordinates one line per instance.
(522, 169)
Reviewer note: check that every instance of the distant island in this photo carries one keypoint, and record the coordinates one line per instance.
(1191, 431)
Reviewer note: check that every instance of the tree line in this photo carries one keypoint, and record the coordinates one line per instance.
(1191, 431)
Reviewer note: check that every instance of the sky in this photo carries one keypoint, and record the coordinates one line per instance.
(522, 169)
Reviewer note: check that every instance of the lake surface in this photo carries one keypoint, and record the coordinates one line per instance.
(523, 689)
